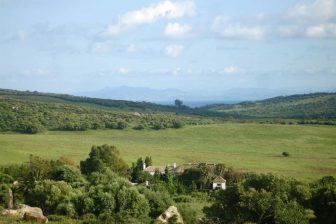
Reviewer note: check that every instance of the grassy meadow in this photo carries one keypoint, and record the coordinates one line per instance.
(252, 147)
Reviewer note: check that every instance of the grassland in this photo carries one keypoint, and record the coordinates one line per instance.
(252, 147)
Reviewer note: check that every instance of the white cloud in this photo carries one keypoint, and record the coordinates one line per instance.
(174, 50)
(123, 70)
(322, 31)
(236, 30)
(176, 30)
(311, 20)
(231, 70)
(319, 9)
(147, 15)
(131, 48)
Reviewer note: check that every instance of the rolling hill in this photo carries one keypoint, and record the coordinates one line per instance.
(304, 106)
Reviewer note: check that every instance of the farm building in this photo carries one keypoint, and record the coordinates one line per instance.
(219, 183)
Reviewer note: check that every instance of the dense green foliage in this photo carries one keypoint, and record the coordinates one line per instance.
(321, 106)
(104, 156)
(97, 195)
(33, 117)
(262, 199)
(103, 196)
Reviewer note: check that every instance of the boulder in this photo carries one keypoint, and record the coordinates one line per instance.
(35, 217)
(170, 213)
(26, 212)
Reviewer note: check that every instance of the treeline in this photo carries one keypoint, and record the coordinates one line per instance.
(100, 191)
(32, 117)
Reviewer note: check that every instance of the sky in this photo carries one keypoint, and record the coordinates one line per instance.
(73, 46)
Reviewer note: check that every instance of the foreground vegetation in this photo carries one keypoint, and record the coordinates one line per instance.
(252, 147)
(99, 191)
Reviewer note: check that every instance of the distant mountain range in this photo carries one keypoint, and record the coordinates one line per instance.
(194, 99)
(136, 94)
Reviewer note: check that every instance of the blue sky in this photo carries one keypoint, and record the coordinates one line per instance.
(214, 45)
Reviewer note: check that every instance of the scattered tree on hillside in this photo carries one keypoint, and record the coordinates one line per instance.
(178, 103)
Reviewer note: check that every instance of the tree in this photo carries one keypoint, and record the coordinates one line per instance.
(178, 103)
(148, 161)
(102, 157)
(139, 164)
(259, 199)
(159, 200)
(169, 180)
(50, 195)
(131, 204)
(69, 174)
(324, 200)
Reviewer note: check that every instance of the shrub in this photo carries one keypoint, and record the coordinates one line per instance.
(121, 125)
(177, 124)
(139, 127)
(285, 154)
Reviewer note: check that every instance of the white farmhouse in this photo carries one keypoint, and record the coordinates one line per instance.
(219, 183)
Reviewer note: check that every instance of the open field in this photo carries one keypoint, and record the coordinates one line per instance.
(254, 147)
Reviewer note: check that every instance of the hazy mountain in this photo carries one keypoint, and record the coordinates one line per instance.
(137, 94)
(194, 99)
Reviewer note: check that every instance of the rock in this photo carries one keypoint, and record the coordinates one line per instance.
(36, 217)
(169, 214)
(137, 114)
(26, 212)
(10, 199)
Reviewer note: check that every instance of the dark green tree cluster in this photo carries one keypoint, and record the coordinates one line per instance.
(99, 191)
(200, 177)
(265, 198)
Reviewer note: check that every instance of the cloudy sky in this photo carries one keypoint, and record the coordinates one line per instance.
(82, 45)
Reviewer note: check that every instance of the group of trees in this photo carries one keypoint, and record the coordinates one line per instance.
(100, 191)
(265, 198)
(97, 191)
(31, 117)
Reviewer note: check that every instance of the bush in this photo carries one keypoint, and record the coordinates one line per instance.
(177, 124)
(121, 125)
(285, 154)
(158, 126)
(139, 127)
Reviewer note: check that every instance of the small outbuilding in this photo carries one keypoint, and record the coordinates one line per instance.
(219, 183)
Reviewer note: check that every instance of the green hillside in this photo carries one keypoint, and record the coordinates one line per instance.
(27, 116)
(108, 104)
(306, 106)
